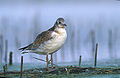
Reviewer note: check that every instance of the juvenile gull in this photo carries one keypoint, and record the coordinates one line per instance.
(48, 42)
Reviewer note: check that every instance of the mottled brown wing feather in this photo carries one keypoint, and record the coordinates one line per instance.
(41, 38)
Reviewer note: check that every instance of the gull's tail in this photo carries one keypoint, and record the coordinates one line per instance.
(29, 47)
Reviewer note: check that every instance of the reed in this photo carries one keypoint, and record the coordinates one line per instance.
(93, 41)
(6, 50)
(96, 55)
(4, 70)
(10, 58)
(72, 45)
(1, 48)
(21, 68)
(78, 41)
(110, 45)
(6, 67)
(79, 61)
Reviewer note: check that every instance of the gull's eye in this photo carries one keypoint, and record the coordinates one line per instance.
(59, 22)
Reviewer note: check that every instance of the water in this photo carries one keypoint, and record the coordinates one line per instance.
(101, 64)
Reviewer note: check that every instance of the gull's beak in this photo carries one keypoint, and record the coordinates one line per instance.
(65, 25)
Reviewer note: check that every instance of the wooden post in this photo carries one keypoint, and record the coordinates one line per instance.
(21, 71)
(10, 58)
(51, 61)
(79, 61)
(96, 55)
(6, 50)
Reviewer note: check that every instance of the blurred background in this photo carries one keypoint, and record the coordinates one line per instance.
(88, 22)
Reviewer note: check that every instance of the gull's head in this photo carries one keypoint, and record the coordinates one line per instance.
(60, 23)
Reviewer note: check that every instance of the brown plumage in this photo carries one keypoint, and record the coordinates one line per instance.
(41, 38)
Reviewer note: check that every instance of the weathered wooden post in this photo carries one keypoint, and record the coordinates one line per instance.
(10, 58)
(21, 68)
(79, 61)
(96, 55)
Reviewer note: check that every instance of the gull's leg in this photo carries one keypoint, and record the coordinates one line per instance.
(51, 61)
(47, 61)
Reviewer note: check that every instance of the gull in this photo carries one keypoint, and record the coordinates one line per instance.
(48, 42)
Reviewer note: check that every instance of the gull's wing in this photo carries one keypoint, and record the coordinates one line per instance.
(41, 38)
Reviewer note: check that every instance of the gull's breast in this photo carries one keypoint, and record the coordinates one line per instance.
(54, 44)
